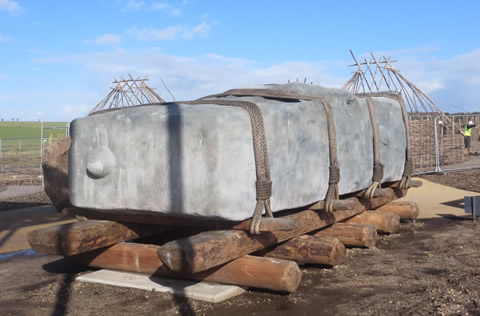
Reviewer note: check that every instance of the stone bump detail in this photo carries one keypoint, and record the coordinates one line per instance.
(100, 162)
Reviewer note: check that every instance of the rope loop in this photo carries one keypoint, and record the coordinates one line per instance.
(334, 175)
(408, 167)
(264, 189)
(378, 172)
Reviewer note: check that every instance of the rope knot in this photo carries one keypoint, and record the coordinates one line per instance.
(264, 189)
(334, 176)
(378, 172)
(408, 168)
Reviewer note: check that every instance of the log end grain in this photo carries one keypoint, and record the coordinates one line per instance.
(385, 222)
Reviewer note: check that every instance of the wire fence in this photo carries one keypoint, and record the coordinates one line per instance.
(21, 157)
(437, 143)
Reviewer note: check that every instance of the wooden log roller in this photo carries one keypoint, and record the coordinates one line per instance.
(260, 272)
(407, 210)
(385, 222)
(310, 249)
(351, 235)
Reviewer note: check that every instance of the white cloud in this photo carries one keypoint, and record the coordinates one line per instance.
(4, 39)
(50, 60)
(35, 51)
(189, 78)
(171, 32)
(105, 39)
(41, 114)
(10, 6)
(76, 110)
(402, 53)
(164, 6)
(200, 30)
(133, 5)
(452, 83)
(156, 34)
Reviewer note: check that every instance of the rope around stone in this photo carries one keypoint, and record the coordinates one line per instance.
(408, 166)
(334, 174)
(377, 165)
(263, 183)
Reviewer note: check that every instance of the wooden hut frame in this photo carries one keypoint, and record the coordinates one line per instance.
(378, 75)
(126, 93)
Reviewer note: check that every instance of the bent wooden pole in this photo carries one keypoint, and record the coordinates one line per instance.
(310, 249)
(209, 249)
(385, 222)
(351, 235)
(260, 272)
(78, 237)
(407, 210)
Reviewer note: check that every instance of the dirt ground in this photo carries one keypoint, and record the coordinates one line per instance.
(465, 180)
(24, 201)
(431, 268)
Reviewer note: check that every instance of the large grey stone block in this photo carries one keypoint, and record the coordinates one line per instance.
(197, 160)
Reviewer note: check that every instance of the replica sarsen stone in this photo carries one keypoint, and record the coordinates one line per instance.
(198, 160)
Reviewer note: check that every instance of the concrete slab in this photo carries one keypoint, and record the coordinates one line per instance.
(204, 291)
(436, 200)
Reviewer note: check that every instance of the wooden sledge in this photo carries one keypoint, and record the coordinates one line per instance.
(225, 252)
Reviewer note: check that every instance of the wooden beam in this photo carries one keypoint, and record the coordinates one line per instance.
(209, 249)
(389, 195)
(310, 249)
(78, 237)
(260, 272)
(385, 222)
(407, 210)
(148, 217)
(352, 235)
(338, 205)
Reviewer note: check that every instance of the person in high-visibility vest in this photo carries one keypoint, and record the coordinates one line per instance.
(467, 135)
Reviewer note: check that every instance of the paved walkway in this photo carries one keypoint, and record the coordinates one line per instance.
(435, 200)
(16, 224)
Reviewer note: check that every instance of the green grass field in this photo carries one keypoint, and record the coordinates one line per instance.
(31, 129)
(20, 142)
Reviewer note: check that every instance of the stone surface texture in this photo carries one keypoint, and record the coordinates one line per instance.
(197, 160)
(55, 172)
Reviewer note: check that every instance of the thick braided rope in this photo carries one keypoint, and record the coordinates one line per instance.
(408, 167)
(334, 174)
(377, 165)
(263, 183)
(265, 93)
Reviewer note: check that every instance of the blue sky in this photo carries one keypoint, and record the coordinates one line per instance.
(58, 58)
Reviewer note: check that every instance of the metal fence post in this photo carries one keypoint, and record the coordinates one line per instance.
(1, 156)
(437, 148)
(41, 143)
(41, 150)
